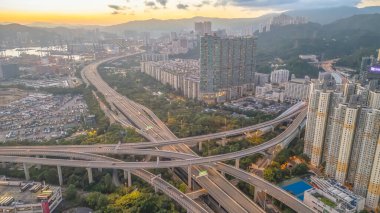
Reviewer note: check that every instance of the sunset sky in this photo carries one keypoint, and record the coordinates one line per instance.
(107, 12)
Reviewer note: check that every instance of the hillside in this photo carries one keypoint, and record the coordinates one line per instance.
(14, 33)
(175, 25)
(329, 15)
(342, 37)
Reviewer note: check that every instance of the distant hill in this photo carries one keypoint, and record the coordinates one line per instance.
(329, 15)
(321, 16)
(342, 37)
(176, 25)
(16, 33)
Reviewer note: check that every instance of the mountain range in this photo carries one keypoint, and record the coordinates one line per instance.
(339, 38)
(321, 16)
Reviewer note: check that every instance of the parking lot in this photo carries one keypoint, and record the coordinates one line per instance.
(41, 116)
(252, 103)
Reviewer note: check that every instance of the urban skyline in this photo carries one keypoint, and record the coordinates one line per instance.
(279, 113)
(108, 12)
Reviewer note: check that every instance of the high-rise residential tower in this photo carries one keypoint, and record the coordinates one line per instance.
(203, 28)
(227, 67)
(342, 133)
(365, 65)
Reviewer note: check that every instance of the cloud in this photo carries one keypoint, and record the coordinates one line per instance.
(117, 7)
(182, 6)
(223, 3)
(203, 3)
(289, 4)
(162, 2)
(151, 4)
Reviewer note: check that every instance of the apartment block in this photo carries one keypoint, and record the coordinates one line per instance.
(227, 67)
(342, 132)
(182, 75)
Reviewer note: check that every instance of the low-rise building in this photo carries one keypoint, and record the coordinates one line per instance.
(297, 90)
(331, 197)
(182, 75)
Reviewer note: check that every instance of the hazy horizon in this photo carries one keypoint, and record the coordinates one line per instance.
(110, 12)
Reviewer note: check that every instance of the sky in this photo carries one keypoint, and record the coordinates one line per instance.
(108, 12)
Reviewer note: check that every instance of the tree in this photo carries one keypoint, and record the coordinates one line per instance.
(96, 200)
(182, 187)
(269, 174)
(71, 192)
(300, 169)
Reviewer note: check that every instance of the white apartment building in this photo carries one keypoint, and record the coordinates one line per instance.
(154, 57)
(297, 90)
(344, 133)
(182, 75)
(279, 76)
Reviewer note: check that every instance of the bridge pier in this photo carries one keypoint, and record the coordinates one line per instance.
(128, 177)
(189, 177)
(237, 163)
(100, 169)
(255, 195)
(60, 178)
(299, 133)
(4, 165)
(200, 146)
(26, 171)
(224, 141)
(38, 166)
(90, 177)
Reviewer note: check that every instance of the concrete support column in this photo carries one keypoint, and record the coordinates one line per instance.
(4, 165)
(200, 146)
(189, 174)
(237, 163)
(128, 177)
(26, 171)
(60, 178)
(299, 133)
(224, 141)
(255, 195)
(90, 177)
(100, 169)
(38, 166)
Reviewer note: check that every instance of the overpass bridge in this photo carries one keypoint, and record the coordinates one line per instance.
(216, 185)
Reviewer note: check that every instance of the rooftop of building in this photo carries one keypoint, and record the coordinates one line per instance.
(20, 198)
(343, 198)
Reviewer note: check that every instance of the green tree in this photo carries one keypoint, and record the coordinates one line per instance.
(300, 169)
(269, 174)
(71, 192)
(96, 200)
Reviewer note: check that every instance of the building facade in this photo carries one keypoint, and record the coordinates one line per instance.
(297, 90)
(332, 197)
(227, 67)
(342, 131)
(203, 28)
(182, 75)
(279, 76)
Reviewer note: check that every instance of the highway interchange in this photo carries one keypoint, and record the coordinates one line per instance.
(137, 116)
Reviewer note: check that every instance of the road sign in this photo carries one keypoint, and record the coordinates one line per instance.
(203, 173)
